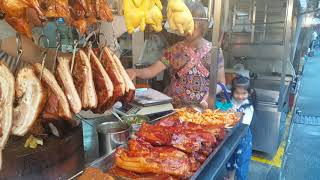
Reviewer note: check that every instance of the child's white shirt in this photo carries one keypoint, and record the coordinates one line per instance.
(248, 112)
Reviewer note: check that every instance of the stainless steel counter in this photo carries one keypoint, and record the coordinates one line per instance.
(90, 136)
(210, 169)
(269, 106)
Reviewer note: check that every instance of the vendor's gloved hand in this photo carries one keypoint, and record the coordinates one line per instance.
(204, 104)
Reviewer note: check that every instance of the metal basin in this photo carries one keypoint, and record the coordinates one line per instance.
(111, 135)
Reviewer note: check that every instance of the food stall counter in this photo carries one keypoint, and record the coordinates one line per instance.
(217, 164)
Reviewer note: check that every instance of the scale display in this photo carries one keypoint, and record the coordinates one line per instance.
(147, 101)
(149, 97)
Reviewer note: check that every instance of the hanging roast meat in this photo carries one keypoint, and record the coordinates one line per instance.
(57, 106)
(83, 80)
(64, 78)
(102, 82)
(56, 9)
(16, 14)
(6, 105)
(130, 88)
(30, 100)
(114, 73)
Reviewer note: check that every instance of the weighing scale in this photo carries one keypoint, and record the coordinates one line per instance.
(147, 101)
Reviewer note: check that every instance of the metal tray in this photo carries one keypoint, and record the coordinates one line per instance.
(106, 162)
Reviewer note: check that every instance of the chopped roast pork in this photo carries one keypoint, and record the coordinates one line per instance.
(30, 100)
(6, 105)
(64, 78)
(83, 79)
(102, 82)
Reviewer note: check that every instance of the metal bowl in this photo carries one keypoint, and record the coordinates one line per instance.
(135, 126)
(111, 135)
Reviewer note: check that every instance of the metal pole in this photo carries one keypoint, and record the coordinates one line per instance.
(286, 53)
(265, 21)
(253, 26)
(214, 56)
(209, 16)
(310, 11)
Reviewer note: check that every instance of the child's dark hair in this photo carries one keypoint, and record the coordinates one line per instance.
(243, 82)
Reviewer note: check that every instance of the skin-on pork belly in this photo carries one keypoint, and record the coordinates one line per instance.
(6, 105)
(30, 99)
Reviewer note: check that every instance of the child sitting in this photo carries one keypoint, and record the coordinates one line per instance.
(238, 164)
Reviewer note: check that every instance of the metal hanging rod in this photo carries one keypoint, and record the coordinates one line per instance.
(309, 11)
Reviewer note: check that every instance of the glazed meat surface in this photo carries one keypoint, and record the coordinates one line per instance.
(142, 157)
(15, 14)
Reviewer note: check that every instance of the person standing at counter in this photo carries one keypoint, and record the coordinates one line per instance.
(188, 62)
(238, 164)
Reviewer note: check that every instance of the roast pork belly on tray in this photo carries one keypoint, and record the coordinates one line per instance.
(83, 80)
(142, 157)
(6, 105)
(65, 80)
(102, 82)
(57, 105)
(30, 100)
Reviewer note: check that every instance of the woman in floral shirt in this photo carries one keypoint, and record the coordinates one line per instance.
(189, 63)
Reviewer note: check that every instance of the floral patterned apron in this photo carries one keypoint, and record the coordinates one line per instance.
(189, 84)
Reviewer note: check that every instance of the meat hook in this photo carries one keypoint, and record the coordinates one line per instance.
(58, 44)
(75, 42)
(44, 53)
(101, 46)
(87, 39)
(89, 48)
(19, 51)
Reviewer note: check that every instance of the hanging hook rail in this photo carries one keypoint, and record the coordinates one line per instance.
(19, 51)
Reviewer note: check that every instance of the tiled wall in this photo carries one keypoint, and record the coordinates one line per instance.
(5, 30)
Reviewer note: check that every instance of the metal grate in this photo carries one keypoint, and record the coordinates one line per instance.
(307, 120)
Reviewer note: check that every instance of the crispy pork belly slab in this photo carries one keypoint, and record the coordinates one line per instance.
(130, 88)
(56, 98)
(6, 105)
(30, 100)
(113, 71)
(83, 79)
(64, 78)
(102, 82)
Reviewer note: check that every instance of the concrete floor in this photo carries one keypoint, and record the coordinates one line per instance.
(301, 157)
